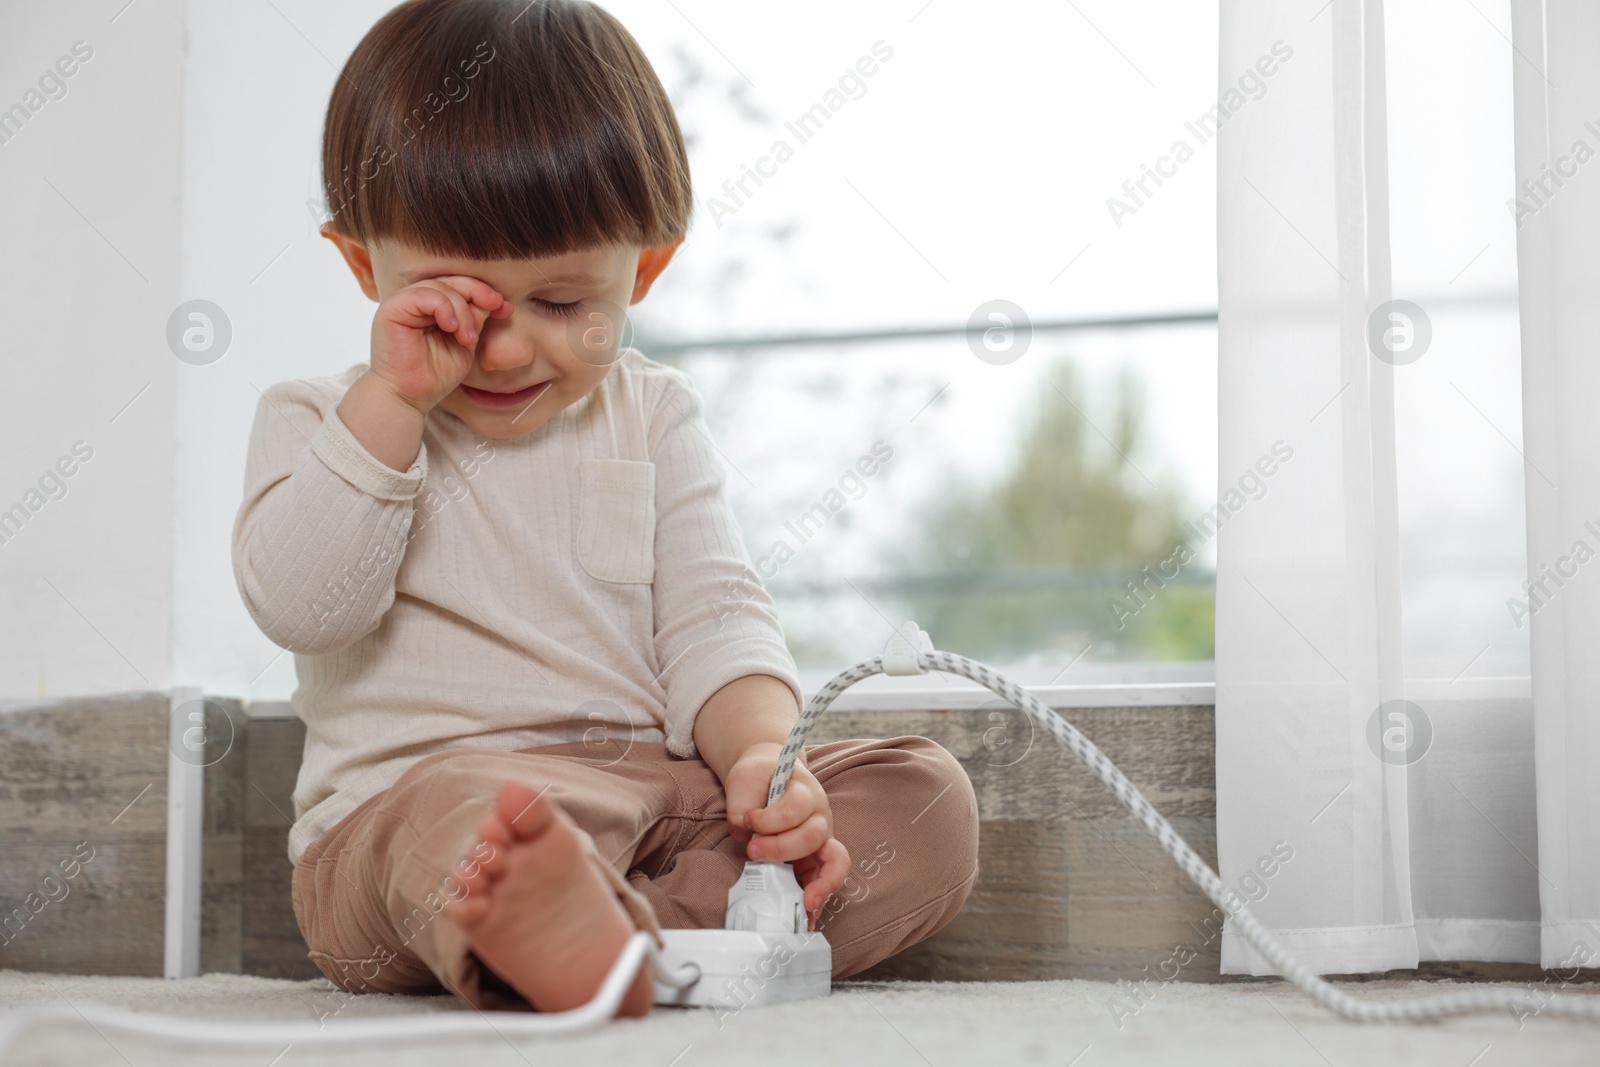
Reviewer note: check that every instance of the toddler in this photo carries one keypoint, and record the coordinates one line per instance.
(544, 690)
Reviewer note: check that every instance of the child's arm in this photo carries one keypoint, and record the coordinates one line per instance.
(329, 498)
(755, 709)
(322, 528)
(733, 692)
(714, 622)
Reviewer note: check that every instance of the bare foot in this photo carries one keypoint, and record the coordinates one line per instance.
(539, 915)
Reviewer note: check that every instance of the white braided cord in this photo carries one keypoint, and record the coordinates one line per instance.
(1319, 989)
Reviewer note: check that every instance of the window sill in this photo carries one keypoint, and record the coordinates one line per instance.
(1094, 686)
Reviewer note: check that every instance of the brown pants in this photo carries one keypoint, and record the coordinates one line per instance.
(370, 894)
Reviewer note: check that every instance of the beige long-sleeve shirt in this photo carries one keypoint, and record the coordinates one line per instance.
(585, 580)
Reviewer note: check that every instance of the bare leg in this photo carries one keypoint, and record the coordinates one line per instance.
(539, 915)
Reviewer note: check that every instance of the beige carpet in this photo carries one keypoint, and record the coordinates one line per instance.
(863, 1024)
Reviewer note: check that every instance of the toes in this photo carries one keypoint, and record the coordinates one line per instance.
(479, 881)
(470, 909)
(479, 872)
(495, 831)
(495, 866)
(524, 810)
(472, 904)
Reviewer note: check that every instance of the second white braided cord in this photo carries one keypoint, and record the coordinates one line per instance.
(1248, 927)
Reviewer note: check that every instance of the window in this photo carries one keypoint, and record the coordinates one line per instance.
(1015, 476)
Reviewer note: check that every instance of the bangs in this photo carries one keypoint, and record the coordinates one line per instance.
(496, 129)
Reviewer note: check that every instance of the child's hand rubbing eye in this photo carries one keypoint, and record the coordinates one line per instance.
(424, 336)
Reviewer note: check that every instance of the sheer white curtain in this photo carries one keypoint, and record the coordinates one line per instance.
(1558, 123)
(1383, 498)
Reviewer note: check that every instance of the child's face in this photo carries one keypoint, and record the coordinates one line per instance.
(544, 356)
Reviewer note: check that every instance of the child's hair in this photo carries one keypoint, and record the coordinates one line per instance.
(503, 129)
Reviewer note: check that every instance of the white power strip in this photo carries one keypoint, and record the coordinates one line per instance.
(764, 955)
(746, 968)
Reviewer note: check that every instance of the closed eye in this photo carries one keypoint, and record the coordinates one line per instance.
(566, 311)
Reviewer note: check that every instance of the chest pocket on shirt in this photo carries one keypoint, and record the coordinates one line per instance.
(616, 539)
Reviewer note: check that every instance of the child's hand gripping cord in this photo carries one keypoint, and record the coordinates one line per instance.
(797, 829)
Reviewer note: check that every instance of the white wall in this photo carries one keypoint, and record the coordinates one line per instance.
(259, 77)
(90, 190)
(190, 136)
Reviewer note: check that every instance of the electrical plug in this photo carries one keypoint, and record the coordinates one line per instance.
(767, 898)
